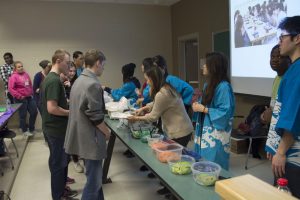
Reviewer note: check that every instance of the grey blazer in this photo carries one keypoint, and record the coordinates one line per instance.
(87, 108)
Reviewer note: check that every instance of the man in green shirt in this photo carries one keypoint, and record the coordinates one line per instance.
(54, 122)
(280, 65)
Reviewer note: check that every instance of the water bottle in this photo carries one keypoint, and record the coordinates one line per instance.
(8, 106)
(283, 185)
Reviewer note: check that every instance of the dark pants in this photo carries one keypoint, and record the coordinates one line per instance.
(58, 165)
(28, 104)
(183, 140)
(292, 174)
(75, 158)
(93, 187)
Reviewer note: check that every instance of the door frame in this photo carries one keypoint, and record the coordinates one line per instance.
(213, 39)
(181, 55)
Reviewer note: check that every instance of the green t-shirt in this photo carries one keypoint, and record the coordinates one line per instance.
(275, 87)
(53, 89)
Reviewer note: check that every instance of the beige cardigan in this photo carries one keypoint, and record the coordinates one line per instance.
(176, 122)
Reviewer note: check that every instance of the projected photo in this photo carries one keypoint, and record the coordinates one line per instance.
(256, 22)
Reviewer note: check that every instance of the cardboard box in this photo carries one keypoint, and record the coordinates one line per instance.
(239, 146)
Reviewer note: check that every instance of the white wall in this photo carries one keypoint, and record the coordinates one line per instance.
(32, 31)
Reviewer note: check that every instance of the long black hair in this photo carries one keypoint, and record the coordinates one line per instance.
(147, 63)
(161, 62)
(217, 66)
(156, 75)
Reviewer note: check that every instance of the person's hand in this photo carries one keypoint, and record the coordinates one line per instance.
(278, 164)
(67, 83)
(197, 107)
(139, 112)
(107, 133)
(103, 87)
(269, 156)
(132, 119)
(22, 97)
(37, 90)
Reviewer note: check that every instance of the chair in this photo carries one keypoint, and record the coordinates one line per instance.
(8, 134)
(7, 155)
(236, 135)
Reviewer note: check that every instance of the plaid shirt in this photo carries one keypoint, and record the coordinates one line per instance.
(5, 72)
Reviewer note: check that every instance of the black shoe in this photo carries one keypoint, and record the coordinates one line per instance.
(126, 152)
(151, 175)
(144, 168)
(130, 155)
(69, 192)
(170, 197)
(163, 191)
(257, 156)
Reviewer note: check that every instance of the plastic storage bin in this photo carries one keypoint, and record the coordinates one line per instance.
(205, 172)
(169, 151)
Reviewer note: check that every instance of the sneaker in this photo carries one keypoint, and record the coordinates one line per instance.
(69, 192)
(33, 132)
(78, 168)
(70, 180)
(28, 134)
(163, 191)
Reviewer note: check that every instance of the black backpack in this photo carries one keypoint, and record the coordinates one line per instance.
(256, 127)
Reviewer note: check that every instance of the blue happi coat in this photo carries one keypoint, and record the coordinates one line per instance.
(146, 95)
(127, 90)
(183, 88)
(212, 135)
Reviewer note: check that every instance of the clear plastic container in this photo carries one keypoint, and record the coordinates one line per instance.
(154, 139)
(140, 130)
(170, 150)
(181, 165)
(205, 172)
(282, 185)
(8, 106)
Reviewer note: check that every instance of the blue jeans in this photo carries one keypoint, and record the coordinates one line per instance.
(93, 187)
(28, 104)
(58, 165)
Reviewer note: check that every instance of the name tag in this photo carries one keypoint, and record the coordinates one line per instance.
(27, 83)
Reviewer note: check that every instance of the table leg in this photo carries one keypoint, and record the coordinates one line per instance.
(110, 148)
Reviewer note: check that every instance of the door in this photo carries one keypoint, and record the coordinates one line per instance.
(189, 59)
(191, 63)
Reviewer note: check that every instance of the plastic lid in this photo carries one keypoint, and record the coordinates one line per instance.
(282, 182)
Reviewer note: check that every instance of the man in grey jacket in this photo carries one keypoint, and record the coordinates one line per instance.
(86, 132)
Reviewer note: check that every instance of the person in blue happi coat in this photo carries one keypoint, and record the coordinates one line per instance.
(213, 113)
(183, 88)
(129, 87)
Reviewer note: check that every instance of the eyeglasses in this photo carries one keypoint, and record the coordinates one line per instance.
(286, 35)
